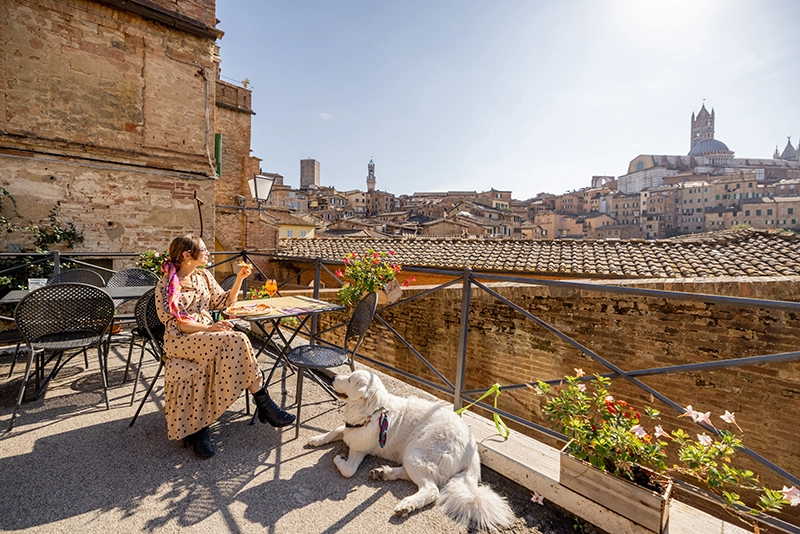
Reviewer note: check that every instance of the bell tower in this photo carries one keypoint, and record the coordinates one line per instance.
(702, 126)
(370, 176)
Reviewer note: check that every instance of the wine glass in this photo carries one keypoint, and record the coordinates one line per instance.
(271, 286)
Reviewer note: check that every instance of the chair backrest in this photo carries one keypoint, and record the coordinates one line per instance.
(152, 324)
(227, 284)
(79, 276)
(130, 278)
(64, 311)
(361, 319)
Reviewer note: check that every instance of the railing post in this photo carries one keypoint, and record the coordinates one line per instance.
(56, 262)
(461, 362)
(317, 274)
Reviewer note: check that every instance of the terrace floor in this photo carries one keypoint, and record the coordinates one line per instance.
(69, 465)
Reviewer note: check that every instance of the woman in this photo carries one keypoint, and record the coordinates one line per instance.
(196, 395)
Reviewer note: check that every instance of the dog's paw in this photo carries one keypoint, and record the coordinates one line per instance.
(379, 473)
(403, 509)
(316, 441)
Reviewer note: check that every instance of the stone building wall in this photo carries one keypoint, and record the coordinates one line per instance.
(109, 113)
(632, 332)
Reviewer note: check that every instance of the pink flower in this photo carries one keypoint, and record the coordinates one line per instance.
(609, 398)
(728, 417)
(347, 260)
(538, 499)
(705, 439)
(579, 372)
(338, 272)
(792, 495)
(639, 431)
(581, 387)
(697, 417)
(660, 432)
(396, 268)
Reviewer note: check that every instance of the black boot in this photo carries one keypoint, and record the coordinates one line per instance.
(201, 443)
(269, 412)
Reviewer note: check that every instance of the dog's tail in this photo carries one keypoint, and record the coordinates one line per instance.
(467, 501)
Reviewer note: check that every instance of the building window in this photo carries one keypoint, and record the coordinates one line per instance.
(758, 212)
(302, 233)
(747, 213)
(790, 211)
(288, 233)
(769, 212)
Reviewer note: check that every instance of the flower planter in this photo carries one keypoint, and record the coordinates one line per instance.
(390, 293)
(643, 506)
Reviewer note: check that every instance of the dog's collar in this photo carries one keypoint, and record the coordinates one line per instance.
(367, 420)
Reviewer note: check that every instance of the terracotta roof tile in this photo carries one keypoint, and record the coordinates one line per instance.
(730, 253)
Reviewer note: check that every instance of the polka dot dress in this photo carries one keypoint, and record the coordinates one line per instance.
(205, 372)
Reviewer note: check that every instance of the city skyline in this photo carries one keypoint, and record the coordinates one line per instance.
(522, 96)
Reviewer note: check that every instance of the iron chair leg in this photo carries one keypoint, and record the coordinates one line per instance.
(146, 395)
(138, 371)
(26, 376)
(300, 372)
(14, 360)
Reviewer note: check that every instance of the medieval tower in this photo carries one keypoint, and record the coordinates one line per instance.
(370, 176)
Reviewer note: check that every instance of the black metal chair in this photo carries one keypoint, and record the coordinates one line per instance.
(309, 357)
(78, 276)
(56, 319)
(10, 337)
(154, 329)
(128, 278)
(139, 333)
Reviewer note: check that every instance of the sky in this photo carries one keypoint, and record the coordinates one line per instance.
(526, 96)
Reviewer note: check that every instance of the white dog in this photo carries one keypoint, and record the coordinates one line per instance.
(434, 447)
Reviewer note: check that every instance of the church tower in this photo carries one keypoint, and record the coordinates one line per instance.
(370, 176)
(702, 126)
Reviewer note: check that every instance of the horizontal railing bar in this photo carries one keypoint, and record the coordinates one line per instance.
(406, 374)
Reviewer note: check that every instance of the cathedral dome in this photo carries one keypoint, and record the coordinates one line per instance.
(709, 146)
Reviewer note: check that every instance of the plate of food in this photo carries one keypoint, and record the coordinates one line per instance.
(242, 309)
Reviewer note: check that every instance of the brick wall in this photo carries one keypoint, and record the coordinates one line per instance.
(105, 112)
(630, 331)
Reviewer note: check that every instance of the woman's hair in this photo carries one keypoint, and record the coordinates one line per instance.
(170, 268)
(183, 244)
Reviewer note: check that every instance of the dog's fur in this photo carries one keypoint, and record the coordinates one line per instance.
(434, 447)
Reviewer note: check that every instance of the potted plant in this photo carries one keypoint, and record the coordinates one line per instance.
(152, 260)
(617, 456)
(370, 271)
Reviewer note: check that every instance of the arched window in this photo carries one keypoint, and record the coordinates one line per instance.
(640, 165)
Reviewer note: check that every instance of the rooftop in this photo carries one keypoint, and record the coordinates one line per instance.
(729, 253)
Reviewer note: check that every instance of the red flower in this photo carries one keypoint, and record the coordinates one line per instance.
(347, 260)
(622, 403)
(391, 252)
(338, 272)
(396, 268)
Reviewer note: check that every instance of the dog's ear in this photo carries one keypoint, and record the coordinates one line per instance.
(361, 386)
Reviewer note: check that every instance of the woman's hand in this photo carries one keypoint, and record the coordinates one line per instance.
(244, 270)
(220, 326)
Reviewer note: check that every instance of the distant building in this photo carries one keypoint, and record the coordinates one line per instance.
(309, 173)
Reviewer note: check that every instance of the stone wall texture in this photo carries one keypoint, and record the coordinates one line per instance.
(109, 115)
(631, 332)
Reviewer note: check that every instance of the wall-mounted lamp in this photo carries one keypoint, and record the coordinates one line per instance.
(260, 187)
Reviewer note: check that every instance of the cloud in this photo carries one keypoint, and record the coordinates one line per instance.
(326, 116)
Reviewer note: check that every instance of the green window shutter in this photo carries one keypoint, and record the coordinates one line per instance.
(218, 152)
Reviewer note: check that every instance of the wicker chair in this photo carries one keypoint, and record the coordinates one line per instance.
(309, 357)
(58, 319)
(78, 276)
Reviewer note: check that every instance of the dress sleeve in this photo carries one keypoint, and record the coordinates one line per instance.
(219, 297)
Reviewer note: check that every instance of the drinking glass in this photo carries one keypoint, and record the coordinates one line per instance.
(272, 287)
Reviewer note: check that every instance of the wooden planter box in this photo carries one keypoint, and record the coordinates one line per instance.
(641, 505)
